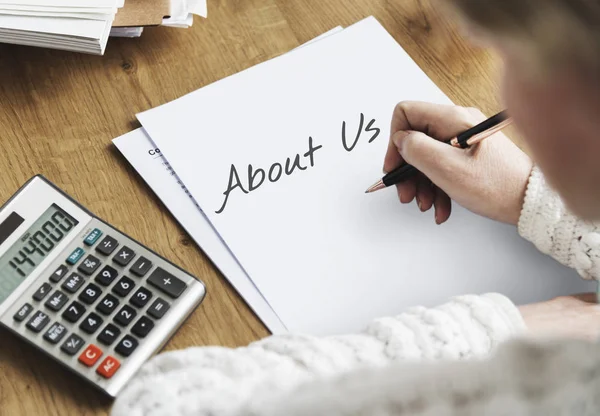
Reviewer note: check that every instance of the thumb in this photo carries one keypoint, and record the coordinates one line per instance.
(437, 160)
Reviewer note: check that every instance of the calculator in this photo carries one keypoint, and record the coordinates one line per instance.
(83, 292)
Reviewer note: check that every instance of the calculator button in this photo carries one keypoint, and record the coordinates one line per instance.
(56, 301)
(141, 297)
(124, 256)
(158, 308)
(123, 286)
(89, 265)
(75, 256)
(90, 294)
(38, 322)
(72, 345)
(90, 355)
(108, 367)
(108, 304)
(109, 334)
(125, 315)
(92, 237)
(74, 312)
(107, 245)
(166, 282)
(42, 292)
(141, 266)
(106, 276)
(91, 323)
(142, 327)
(23, 312)
(127, 345)
(59, 274)
(73, 283)
(55, 333)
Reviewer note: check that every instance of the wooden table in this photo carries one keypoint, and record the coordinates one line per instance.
(59, 112)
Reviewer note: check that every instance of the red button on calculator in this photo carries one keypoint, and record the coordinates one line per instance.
(90, 355)
(108, 367)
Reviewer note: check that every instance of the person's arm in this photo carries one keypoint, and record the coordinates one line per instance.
(523, 378)
(216, 381)
(494, 179)
(555, 231)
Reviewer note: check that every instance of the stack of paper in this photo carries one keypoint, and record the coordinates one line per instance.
(267, 169)
(170, 13)
(74, 25)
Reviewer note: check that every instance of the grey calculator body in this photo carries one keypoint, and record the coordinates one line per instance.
(86, 294)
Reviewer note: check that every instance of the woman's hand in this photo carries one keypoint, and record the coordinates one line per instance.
(489, 179)
(576, 316)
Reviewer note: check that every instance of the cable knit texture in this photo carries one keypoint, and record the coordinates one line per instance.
(221, 381)
(368, 373)
(555, 231)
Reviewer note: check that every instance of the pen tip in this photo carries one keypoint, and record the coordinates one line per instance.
(376, 187)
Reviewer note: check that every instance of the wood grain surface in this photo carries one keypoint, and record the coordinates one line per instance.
(59, 112)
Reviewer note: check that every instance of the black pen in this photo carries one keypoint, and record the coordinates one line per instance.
(463, 141)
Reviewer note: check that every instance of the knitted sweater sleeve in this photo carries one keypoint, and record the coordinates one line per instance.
(555, 231)
(523, 378)
(220, 381)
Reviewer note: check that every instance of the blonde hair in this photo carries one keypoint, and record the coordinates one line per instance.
(555, 32)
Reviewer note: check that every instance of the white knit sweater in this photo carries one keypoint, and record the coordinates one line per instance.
(368, 373)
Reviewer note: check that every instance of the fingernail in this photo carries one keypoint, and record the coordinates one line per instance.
(437, 220)
(420, 205)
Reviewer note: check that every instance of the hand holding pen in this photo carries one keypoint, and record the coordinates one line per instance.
(488, 179)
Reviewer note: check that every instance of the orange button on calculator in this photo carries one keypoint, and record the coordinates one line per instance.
(108, 367)
(90, 356)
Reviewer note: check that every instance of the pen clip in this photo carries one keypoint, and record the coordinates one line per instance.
(472, 141)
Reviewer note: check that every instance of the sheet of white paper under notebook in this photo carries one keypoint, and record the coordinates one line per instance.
(279, 156)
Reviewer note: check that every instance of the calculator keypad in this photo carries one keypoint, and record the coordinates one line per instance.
(165, 281)
(109, 367)
(108, 304)
(59, 274)
(123, 286)
(124, 256)
(90, 355)
(109, 334)
(106, 276)
(126, 312)
(56, 301)
(42, 292)
(74, 312)
(38, 321)
(72, 345)
(125, 315)
(55, 333)
(127, 346)
(91, 323)
(142, 327)
(141, 297)
(158, 308)
(90, 294)
(89, 265)
(141, 267)
(107, 245)
(23, 312)
(73, 283)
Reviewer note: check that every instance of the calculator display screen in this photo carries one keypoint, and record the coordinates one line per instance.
(33, 247)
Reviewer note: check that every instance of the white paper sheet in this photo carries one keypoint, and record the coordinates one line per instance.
(147, 160)
(93, 29)
(327, 257)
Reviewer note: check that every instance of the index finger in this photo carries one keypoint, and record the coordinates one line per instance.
(442, 122)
